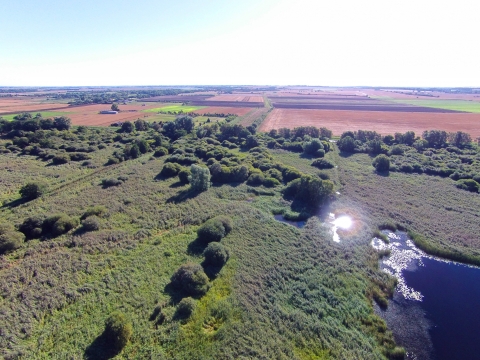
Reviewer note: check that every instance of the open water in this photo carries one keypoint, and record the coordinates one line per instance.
(435, 311)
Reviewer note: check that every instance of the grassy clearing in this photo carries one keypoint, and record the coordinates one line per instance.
(176, 108)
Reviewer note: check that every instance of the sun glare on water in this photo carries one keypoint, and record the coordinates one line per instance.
(343, 222)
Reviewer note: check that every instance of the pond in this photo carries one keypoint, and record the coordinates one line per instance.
(435, 310)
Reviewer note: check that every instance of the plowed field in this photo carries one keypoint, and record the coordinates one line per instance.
(88, 115)
(237, 97)
(387, 122)
(17, 105)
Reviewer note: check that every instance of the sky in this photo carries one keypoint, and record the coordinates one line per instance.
(243, 42)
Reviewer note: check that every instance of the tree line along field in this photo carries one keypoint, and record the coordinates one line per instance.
(107, 256)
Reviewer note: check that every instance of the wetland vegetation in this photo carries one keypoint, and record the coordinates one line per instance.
(150, 241)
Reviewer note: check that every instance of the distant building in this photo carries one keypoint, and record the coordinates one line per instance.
(108, 112)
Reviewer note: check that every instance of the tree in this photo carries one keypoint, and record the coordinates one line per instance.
(346, 144)
(62, 123)
(141, 125)
(459, 138)
(190, 279)
(115, 107)
(200, 178)
(127, 127)
(118, 330)
(32, 190)
(435, 138)
(184, 123)
(143, 146)
(215, 254)
(381, 163)
(312, 146)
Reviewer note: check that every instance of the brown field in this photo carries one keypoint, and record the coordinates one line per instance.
(237, 97)
(387, 122)
(88, 114)
(23, 104)
(240, 111)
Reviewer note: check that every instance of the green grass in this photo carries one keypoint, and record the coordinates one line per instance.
(45, 114)
(177, 108)
(459, 105)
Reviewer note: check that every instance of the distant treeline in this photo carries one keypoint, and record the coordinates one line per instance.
(109, 97)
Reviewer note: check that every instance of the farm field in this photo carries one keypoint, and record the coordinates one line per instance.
(16, 105)
(224, 110)
(172, 108)
(89, 114)
(250, 117)
(236, 97)
(45, 114)
(386, 122)
(448, 104)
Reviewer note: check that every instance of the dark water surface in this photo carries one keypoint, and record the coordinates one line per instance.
(452, 303)
(298, 224)
(435, 312)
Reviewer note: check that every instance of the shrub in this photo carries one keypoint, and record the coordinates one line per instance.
(346, 143)
(215, 254)
(271, 182)
(161, 151)
(170, 169)
(381, 163)
(322, 164)
(113, 161)
(256, 178)
(323, 176)
(190, 279)
(10, 239)
(312, 146)
(61, 159)
(59, 224)
(32, 227)
(274, 173)
(186, 307)
(79, 157)
(98, 210)
(290, 173)
(118, 330)
(32, 190)
(183, 175)
(111, 182)
(309, 189)
(468, 184)
(211, 230)
(226, 222)
(199, 178)
(91, 223)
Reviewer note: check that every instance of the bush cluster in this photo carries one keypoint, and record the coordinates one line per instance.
(190, 279)
(215, 229)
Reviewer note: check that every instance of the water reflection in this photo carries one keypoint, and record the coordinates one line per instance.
(343, 222)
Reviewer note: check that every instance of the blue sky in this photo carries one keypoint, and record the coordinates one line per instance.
(312, 42)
